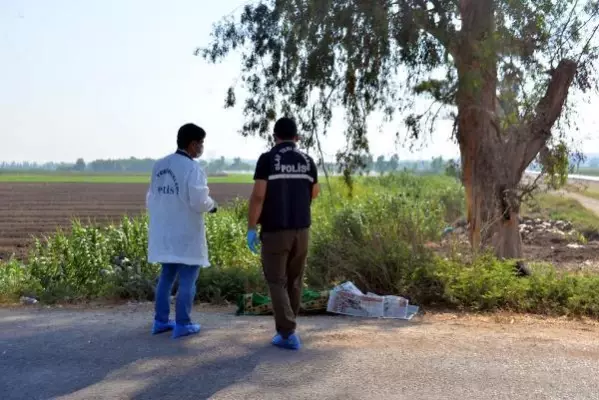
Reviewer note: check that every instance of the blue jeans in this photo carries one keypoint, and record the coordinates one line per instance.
(188, 274)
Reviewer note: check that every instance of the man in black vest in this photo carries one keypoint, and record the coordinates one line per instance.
(286, 182)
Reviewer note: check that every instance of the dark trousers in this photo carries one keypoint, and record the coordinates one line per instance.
(284, 255)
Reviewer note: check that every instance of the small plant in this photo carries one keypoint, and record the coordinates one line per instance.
(581, 239)
(15, 281)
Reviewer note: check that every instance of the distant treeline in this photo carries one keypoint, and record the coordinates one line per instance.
(124, 166)
(380, 164)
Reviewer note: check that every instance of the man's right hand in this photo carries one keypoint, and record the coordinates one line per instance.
(252, 240)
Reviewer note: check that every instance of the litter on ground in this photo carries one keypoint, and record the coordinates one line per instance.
(345, 299)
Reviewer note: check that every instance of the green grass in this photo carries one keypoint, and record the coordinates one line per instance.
(103, 178)
(234, 178)
(556, 207)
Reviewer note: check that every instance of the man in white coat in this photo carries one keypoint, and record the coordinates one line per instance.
(177, 199)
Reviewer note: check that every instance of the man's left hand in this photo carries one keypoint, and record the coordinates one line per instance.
(253, 240)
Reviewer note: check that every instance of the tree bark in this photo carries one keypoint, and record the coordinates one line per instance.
(507, 240)
(477, 123)
(492, 205)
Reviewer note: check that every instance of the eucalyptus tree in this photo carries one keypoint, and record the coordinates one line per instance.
(501, 70)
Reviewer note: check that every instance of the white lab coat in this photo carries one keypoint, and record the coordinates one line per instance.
(177, 199)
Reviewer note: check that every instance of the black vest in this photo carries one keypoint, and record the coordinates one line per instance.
(289, 189)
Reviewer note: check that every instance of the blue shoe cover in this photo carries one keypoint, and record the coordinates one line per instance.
(291, 343)
(161, 327)
(185, 330)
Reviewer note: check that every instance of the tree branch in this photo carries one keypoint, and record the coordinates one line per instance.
(538, 131)
(440, 31)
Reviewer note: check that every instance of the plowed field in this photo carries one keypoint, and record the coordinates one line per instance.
(34, 209)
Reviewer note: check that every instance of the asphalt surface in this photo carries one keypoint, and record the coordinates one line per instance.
(107, 353)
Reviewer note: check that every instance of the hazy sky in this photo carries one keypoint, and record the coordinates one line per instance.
(116, 78)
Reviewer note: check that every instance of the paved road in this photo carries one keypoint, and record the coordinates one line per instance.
(107, 354)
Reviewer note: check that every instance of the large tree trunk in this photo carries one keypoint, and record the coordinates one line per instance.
(493, 161)
(493, 209)
(490, 182)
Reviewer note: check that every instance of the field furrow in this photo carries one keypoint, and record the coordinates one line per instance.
(35, 209)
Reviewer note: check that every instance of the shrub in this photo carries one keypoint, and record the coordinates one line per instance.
(68, 266)
(234, 269)
(226, 232)
(218, 284)
(483, 284)
(91, 262)
(15, 281)
(448, 192)
(487, 284)
(379, 244)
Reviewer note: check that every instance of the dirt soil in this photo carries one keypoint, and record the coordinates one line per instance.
(544, 249)
(557, 251)
(542, 244)
(585, 258)
(34, 209)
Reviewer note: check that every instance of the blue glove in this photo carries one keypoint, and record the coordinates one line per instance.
(253, 240)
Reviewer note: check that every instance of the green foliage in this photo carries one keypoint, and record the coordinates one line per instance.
(449, 193)
(226, 283)
(452, 169)
(381, 254)
(556, 165)
(306, 58)
(90, 262)
(487, 284)
(15, 279)
(377, 237)
(226, 239)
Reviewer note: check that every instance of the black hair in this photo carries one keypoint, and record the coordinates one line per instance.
(285, 129)
(188, 133)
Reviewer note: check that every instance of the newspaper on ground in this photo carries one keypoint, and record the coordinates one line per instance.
(349, 287)
(396, 307)
(357, 305)
(347, 299)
